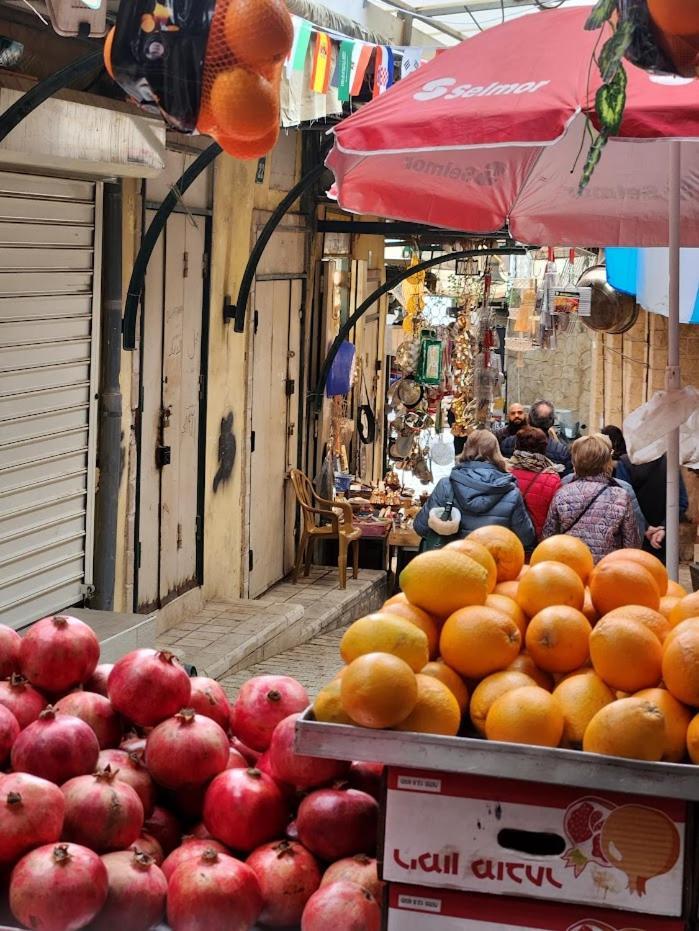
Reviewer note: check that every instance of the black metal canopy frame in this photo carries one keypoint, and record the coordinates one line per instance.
(351, 321)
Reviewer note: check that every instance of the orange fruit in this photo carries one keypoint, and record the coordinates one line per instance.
(509, 589)
(681, 663)
(510, 607)
(490, 689)
(524, 663)
(386, 633)
(689, 623)
(453, 681)
(327, 706)
(420, 619)
(547, 584)
(436, 711)
(378, 690)
(653, 620)
(558, 638)
(569, 550)
(504, 546)
(619, 582)
(647, 560)
(528, 715)
(693, 739)
(245, 148)
(399, 599)
(258, 32)
(522, 571)
(677, 720)
(688, 607)
(244, 105)
(626, 654)
(107, 52)
(675, 17)
(482, 556)
(588, 609)
(676, 590)
(442, 581)
(667, 603)
(478, 640)
(580, 696)
(631, 727)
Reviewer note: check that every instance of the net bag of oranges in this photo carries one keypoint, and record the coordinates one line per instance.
(212, 66)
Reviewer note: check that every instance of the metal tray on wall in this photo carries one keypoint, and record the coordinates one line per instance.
(499, 760)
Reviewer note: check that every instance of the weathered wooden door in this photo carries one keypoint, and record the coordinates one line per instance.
(169, 522)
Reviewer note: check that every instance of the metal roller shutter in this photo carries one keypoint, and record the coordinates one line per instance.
(50, 256)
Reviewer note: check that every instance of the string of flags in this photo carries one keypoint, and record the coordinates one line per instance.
(341, 63)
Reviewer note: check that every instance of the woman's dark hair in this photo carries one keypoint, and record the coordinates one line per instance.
(531, 440)
(618, 441)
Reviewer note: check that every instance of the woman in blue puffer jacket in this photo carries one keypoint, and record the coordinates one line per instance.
(483, 491)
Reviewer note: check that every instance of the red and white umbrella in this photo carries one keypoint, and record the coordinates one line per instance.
(491, 135)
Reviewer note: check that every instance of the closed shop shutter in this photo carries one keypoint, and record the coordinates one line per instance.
(50, 257)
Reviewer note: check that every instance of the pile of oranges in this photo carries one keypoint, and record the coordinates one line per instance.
(559, 652)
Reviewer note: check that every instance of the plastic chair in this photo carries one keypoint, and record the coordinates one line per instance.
(340, 528)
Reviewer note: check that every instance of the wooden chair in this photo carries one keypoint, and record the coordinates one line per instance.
(340, 527)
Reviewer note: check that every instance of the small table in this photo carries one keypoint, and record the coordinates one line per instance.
(404, 544)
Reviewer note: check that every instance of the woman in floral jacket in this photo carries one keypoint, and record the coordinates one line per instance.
(593, 507)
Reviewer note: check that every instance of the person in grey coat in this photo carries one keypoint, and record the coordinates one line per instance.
(483, 491)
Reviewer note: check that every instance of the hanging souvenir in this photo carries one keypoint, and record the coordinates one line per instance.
(342, 371)
(430, 367)
(408, 356)
(413, 294)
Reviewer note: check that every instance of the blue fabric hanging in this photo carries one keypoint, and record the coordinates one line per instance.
(340, 375)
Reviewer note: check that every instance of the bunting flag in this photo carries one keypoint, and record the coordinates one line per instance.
(299, 49)
(383, 70)
(412, 60)
(361, 56)
(344, 69)
(320, 73)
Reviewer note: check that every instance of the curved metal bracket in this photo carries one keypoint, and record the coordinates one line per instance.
(236, 312)
(41, 92)
(157, 224)
(384, 289)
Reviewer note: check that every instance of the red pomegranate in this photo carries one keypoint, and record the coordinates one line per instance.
(252, 756)
(136, 896)
(58, 653)
(56, 747)
(201, 832)
(186, 750)
(9, 729)
(147, 686)
(341, 905)
(133, 743)
(367, 778)
(337, 823)
(144, 843)
(10, 643)
(31, 814)
(209, 699)
(98, 680)
(359, 869)
(244, 808)
(288, 876)
(215, 892)
(22, 699)
(97, 711)
(261, 704)
(102, 812)
(191, 848)
(58, 887)
(129, 768)
(292, 830)
(165, 828)
(302, 772)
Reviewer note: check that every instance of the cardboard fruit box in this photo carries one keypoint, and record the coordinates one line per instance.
(415, 908)
(511, 838)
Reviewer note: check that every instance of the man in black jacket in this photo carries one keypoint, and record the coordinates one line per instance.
(542, 414)
(516, 419)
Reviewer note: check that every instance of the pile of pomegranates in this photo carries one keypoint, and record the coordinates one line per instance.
(133, 797)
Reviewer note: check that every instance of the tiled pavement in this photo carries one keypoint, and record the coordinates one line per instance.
(227, 636)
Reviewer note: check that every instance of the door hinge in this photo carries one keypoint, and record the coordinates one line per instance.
(185, 264)
(163, 456)
(251, 560)
(255, 321)
(252, 441)
(290, 387)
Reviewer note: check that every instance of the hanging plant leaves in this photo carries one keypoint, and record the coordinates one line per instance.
(601, 12)
(614, 50)
(593, 156)
(609, 103)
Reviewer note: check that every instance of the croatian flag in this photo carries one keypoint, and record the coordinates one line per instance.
(383, 70)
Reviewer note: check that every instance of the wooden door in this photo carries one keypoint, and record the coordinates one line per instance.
(274, 423)
(169, 524)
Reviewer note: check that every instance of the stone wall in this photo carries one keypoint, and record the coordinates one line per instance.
(561, 375)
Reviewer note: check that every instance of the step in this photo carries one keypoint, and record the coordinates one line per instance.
(119, 633)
